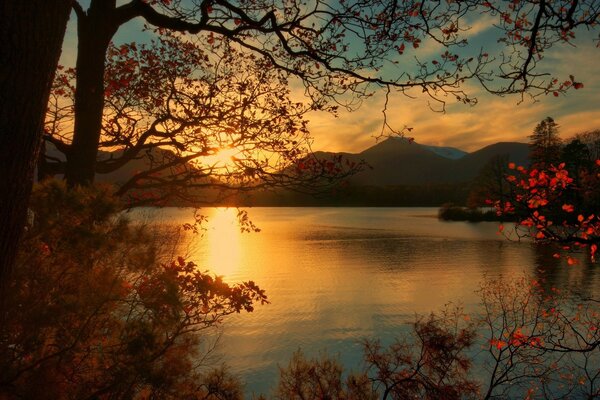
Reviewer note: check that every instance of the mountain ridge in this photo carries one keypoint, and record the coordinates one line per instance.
(399, 161)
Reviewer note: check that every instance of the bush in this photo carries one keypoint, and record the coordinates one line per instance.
(94, 313)
(450, 212)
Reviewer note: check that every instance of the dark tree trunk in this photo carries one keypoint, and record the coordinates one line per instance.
(94, 30)
(31, 35)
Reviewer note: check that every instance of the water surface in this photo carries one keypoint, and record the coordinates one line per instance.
(337, 275)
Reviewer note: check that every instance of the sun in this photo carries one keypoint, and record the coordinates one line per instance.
(223, 157)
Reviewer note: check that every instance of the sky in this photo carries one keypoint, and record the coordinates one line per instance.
(493, 119)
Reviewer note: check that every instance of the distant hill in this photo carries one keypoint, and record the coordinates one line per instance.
(396, 161)
(121, 175)
(448, 152)
(400, 173)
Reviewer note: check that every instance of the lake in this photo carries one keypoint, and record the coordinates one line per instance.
(337, 275)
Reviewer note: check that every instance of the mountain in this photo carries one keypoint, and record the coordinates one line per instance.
(471, 164)
(123, 174)
(400, 173)
(448, 152)
(397, 161)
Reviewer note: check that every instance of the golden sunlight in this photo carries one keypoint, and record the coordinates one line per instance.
(223, 237)
(223, 158)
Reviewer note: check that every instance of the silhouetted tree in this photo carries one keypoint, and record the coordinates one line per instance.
(98, 308)
(31, 35)
(545, 144)
(320, 378)
(541, 202)
(333, 49)
(490, 183)
(576, 157)
(592, 140)
(173, 107)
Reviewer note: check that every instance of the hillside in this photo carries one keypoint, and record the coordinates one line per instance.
(400, 173)
(395, 161)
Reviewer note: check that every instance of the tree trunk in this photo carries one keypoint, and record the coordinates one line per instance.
(94, 31)
(31, 36)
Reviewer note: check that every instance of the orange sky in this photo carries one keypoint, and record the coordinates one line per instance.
(492, 120)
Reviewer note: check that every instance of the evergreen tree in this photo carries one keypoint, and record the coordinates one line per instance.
(545, 146)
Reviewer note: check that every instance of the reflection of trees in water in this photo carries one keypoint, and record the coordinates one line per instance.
(553, 272)
(536, 344)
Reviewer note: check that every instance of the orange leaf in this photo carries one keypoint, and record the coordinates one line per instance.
(568, 207)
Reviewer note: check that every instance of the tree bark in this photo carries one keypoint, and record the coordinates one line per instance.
(95, 30)
(31, 36)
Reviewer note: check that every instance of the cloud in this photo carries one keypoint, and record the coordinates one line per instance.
(494, 119)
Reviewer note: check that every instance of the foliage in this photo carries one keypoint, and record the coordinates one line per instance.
(545, 144)
(592, 140)
(433, 365)
(94, 312)
(543, 343)
(451, 212)
(189, 94)
(543, 209)
(320, 379)
(490, 183)
(528, 341)
(196, 120)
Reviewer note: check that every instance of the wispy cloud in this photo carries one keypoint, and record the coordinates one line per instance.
(494, 119)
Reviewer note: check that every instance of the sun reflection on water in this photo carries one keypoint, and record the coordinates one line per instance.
(223, 242)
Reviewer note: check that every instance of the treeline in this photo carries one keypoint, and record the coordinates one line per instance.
(430, 195)
(576, 156)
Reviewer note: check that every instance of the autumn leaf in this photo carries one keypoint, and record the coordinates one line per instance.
(499, 344)
(568, 207)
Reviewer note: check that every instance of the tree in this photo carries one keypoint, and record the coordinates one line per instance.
(331, 49)
(31, 34)
(545, 146)
(541, 204)
(527, 341)
(174, 107)
(320, 379)
(490, 183)
(592, 140)
(541, 342)
(99, 309)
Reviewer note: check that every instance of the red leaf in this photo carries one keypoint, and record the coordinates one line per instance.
(568, 207)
